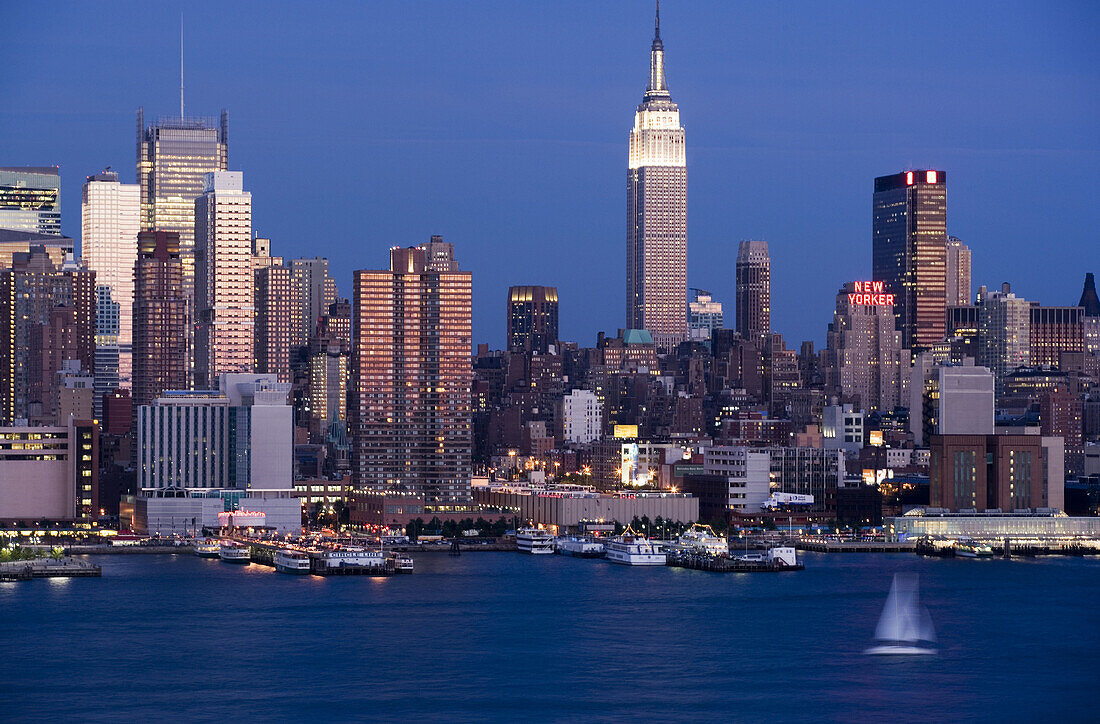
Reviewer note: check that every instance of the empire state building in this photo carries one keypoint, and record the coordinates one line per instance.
(656, 243)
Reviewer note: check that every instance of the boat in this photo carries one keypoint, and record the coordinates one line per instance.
(208, 549)
(352, 557)
(580, 547)
(969, 548)
(292, 561)
(534, 540)
(905, 628)
(632, 549)
(401, 563)
(702, 539)
(234, 552)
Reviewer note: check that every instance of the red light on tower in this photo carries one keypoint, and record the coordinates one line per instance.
(909, 179)
(930, 177)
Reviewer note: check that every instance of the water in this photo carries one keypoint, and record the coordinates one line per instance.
(501, 636)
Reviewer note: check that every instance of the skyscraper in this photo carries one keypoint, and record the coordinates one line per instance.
(109, 224)
(314, 291)
(754, 292)
(958, 273)
(224, 282)
(532, 318)
(30, 199)
(656, 239)
(867, 363)
(1004, 333)
(275, 313)
(410, 401)
(1090, 303)
(910, 251)
(160, 317)
(704, 315)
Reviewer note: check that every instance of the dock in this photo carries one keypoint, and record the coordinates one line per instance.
(856, 546)
(263, 553)
(48, 568)
(720, 564)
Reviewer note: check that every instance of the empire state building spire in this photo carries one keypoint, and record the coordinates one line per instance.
(657, 88)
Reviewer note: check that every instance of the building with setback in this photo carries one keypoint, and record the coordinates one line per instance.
(656, 238)
(532, 318)
(160, 317)
(867, 365)
(409, 405)
(754, 293)
(910, 251)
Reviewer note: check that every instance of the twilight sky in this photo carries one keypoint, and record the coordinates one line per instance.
(503, 126)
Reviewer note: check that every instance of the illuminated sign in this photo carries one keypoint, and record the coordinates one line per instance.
(930, 177)
(626, 432)
(870, 294)
(909, 179)
(875, 438)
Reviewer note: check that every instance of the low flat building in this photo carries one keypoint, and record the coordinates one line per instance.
(566, 509)
(50, 473)
(183, 512)
(1046, 525)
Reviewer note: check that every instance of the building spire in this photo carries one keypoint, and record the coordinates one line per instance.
(657, 89)
(657, 25)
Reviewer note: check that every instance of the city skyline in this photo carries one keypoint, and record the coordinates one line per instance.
(751, 151)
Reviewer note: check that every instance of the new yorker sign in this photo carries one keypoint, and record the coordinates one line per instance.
(870, 294)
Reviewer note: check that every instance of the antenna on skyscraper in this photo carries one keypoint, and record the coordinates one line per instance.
(181, 66)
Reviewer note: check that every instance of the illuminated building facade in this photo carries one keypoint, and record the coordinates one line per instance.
(1004, 333)
(410, 403)
(867, 364)
(30, 199)
(315, 290)
(910, 251)
(581, 417)
(276, 311)
(754, 292)
(958, 273)
(50, 473)
(656, 254)
(1054, 331)
(704, 315)
(224, 281)
(110, 214)
(46, 311)
(532, 319)
(160, 317)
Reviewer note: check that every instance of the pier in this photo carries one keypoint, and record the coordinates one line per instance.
(719, 564)
(48, 568)
(263, 553)
(821, 546)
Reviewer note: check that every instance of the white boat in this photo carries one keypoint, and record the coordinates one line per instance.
(904, 628)
(969, 548)
(208, 549)
(401, 563)
(534, 540)
(234, 553)
(290, 561)
(703, 539)
(580, 547)
(632, 549)
(351, 556)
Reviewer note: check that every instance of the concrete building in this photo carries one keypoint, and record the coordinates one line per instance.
(958, 273)
(160, 318)
(909, 254)
(581, 417)
(50, 473)
(1053, 332)
(808, 471)
(314, 291)
(656, 237)
(746, 475)
(532, 319)
(1004, 333)
(964, 401)
(275, 319)
(224, 284)
(110, 219)
(30, 199)
(842, 428)
(753, 278)
(704, 315)
(410, 403)
(866, 362)
(1061, 415)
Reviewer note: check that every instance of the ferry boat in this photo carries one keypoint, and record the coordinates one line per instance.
(580, 547)
(208, 549)
(632, 549)
(352, 556)
(703, 539)
(401, 563)
(968, 548)
(290, 561)
(234, 553)
(534, 540)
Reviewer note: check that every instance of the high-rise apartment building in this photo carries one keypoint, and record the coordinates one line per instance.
(754, 292)
(910, 251)
(173, 157)
(14, 241)
(160, 317)
(704, 315)
(110, 214)
(30, 199)
(46, 313)
(276, 312)
(410, 400)
(224, 281)
(1090, 304)
(532, 318)
(867, 364)
(1004, 333)
(958, 273)
(1055, 331)
(581, 417)
(315, 290)
(656, 240)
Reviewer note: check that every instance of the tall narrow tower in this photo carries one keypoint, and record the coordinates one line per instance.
(754, 292)
(656, 207)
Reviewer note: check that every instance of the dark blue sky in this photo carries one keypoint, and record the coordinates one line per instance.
(503, 127)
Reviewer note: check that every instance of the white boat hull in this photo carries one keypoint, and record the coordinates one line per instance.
(281, 568)
(637, 559)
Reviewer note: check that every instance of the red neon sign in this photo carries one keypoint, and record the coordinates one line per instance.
(930, 177)
(870, 294)
(909, 179)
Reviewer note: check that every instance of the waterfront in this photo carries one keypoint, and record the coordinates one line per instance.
(501, 636)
